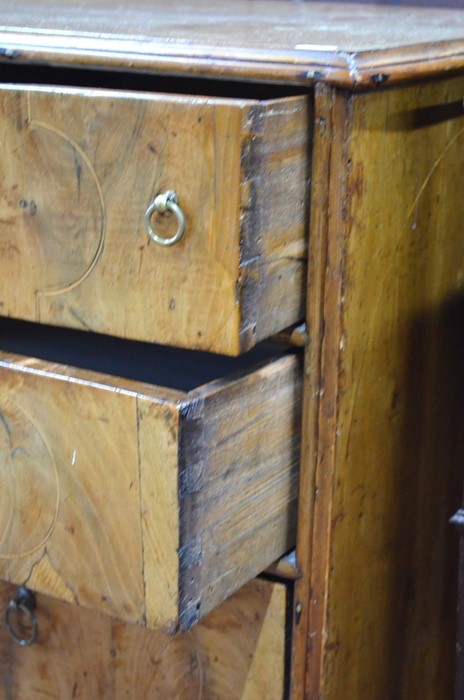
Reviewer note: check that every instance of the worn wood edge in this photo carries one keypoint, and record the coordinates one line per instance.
(191, 426)
(288, 123)
(218, 385)
(159, 508)
(317, 263)
(250, 225)
(75, 375)
(260, 314)
(157, 96)
(343, 69)
(193, 435)
(321, 387)
(419, 61)
(328, 408)
(302, 67)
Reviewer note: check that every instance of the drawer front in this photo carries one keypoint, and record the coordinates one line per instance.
(79, 170)
(236, 653)
(151, 504)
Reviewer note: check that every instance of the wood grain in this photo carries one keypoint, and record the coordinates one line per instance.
(227, 449)
(274, 218)
(150, 504)
(79, 169)
(391, 400)
(303, 42)
(317, 431)
(236, 653)
(352, 28)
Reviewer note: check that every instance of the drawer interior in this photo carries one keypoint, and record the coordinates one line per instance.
(174, 368)
(144, 82)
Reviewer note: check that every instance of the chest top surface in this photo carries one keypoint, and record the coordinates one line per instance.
(276, 40)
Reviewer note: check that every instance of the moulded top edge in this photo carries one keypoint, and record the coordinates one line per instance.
(294, 42)
(303, 67)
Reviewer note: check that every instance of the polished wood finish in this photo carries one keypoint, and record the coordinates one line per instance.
(303, 42)
(237, 652)
(379, 94)
(72, 219)
(382, 606)
(309, 559)
(148, 503)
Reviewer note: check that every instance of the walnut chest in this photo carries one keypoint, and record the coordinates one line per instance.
(231, 302)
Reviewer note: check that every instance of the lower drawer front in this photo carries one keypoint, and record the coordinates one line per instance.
(236, 653)
(149, 503)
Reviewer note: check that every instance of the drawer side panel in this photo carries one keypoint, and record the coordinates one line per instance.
(276, 167)
(238, 507)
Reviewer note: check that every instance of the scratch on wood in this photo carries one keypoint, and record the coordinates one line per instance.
(432, 170)
(78, 169)
(79, 318)
(6, 425)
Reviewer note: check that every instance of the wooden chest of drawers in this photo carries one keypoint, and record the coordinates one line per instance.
(203, 179)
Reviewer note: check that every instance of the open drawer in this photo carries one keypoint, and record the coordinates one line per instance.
(81, 168)
(151, 503)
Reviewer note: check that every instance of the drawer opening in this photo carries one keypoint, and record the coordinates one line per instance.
(178, 369)
(127, 495)
(143, 82)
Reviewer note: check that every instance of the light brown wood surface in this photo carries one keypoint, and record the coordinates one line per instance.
(151, 504)
(236, 653)
(79, 169)
(373, 603)
(311, 559)
(297, 41)
(350, 28)
(382, 608)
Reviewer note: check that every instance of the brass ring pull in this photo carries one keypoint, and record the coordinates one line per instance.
(22, 605)
(162, 203)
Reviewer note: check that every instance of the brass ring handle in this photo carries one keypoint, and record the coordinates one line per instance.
(24, 603)
(162, 203)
